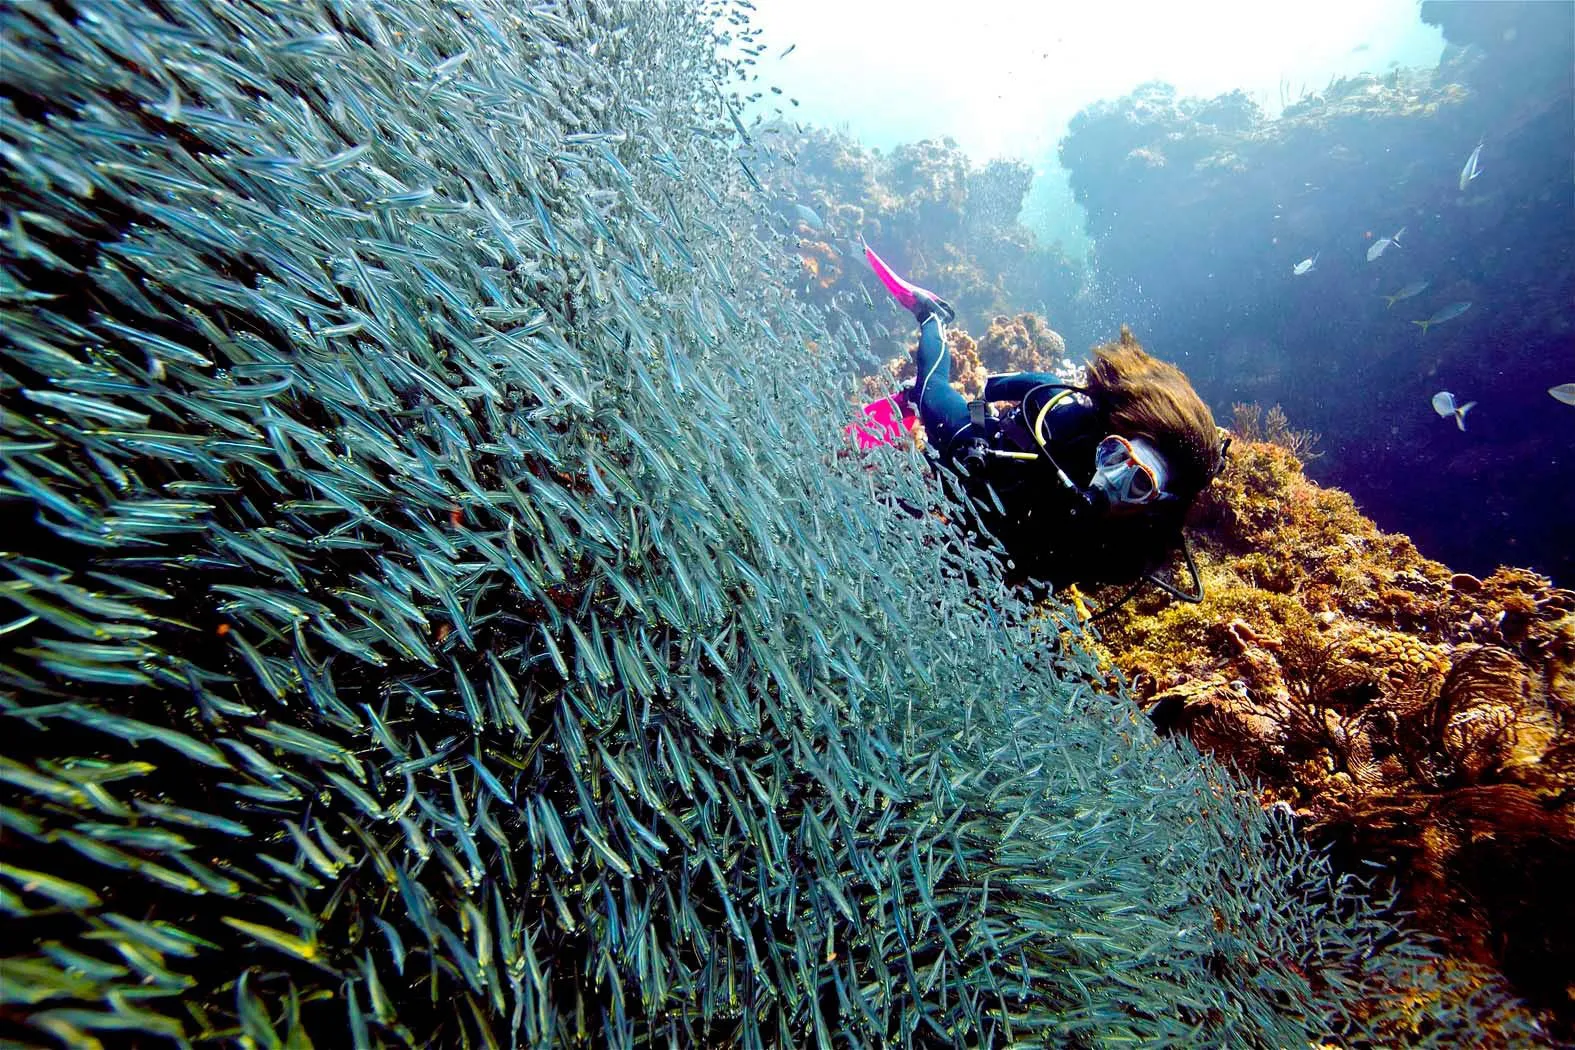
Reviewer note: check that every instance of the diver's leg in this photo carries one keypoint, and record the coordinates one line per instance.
(943, 410)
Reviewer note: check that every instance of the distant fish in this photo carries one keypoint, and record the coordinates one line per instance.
(1444, 405)
(1448, 313)
(788, 52)
(1378, 249)
(1415, 288)
(1564, 392)
(1470, 171)
(808, 217)
(1306, 265)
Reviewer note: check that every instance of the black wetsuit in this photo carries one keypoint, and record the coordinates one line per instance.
(1053, 531)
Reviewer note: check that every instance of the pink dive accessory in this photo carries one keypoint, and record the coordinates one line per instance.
(885, 422)
(900, 290)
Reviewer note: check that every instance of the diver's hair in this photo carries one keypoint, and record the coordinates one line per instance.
(1153, 399)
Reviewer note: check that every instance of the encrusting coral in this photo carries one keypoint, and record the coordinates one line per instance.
(1023, 343)
(1415, 719)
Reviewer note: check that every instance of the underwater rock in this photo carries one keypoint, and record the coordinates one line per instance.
(1208, 204)
(1023, 343)
(1520, 44)
(1415, 719)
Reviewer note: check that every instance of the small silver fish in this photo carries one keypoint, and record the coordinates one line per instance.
(1444, 405)
(1564, 392)
(1306, 265)
(1415, 288)
(1470, 171)
(1448, 313)
(1383, 244)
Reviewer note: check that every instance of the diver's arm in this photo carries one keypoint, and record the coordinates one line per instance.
(1014, 386)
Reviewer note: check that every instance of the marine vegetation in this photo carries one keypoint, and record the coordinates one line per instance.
(436, 614)
(1420, 721)
(1249, 422)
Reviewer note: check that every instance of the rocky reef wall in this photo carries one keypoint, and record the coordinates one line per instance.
(1207, 206)
(1418, 722)
(943, 220)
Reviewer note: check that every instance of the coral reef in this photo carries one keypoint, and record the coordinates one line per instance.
(967, 378)
(1418, 720)
(1024, 343)
(947, 223)
(822, 264)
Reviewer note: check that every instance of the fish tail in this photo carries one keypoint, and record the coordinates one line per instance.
(1424, 325)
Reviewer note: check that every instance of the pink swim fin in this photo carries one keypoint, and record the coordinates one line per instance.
(885, 422)
(911, 296)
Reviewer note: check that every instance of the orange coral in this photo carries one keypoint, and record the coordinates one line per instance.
(821, 262)
(967, 378)
(968, 371)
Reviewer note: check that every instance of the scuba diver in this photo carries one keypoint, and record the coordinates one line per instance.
(1084, 484)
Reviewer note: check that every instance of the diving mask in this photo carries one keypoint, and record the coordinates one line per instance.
(1129, 471)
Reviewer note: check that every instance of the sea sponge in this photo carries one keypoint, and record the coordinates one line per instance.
(1022, 343)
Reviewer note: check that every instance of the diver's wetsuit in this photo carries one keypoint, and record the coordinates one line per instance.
(1052, 531)
(1072, 425)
